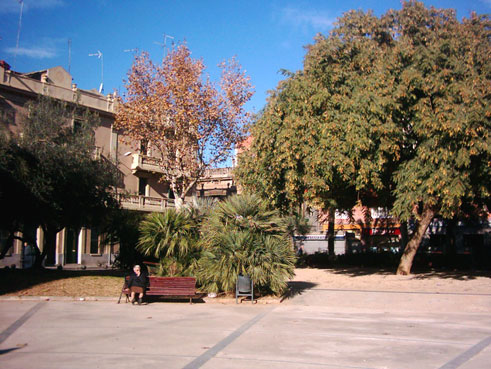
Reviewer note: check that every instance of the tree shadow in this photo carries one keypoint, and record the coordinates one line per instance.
(296, 288)
(417, 273)
(451, 274)
(6, 351)
(185, 300)
(13, 280)
(360, 271)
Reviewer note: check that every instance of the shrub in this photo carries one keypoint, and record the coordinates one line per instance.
(242, 236)
(171, 237)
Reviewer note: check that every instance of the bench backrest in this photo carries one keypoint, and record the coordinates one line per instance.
(176, 286)
(171, 286)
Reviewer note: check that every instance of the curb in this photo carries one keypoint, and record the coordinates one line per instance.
(58, 298)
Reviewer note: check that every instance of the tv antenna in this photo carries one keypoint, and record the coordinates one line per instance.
(69, 54)
(164, 44)
(21, 2)
(100, 56)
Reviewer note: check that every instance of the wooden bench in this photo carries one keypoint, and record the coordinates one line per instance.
(176, 287)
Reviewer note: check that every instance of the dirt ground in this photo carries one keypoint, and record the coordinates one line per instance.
(377, 280)
(79, 285)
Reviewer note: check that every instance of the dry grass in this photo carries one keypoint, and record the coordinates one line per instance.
(60, 283)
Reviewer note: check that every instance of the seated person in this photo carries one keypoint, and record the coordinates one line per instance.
(137, 284)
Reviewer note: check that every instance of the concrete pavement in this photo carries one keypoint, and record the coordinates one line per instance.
(315, 329)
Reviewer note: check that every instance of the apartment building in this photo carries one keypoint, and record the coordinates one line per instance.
(140, 188)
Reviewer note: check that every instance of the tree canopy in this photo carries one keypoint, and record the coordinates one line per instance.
(394, 109)
(188, 122)
(50, 175)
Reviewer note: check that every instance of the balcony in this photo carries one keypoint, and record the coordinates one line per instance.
(143, 163)
(217, 173)
(145, 203)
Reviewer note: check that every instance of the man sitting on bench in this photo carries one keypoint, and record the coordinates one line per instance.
(137, 284)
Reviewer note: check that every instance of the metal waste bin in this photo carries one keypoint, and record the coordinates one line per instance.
(244, 287)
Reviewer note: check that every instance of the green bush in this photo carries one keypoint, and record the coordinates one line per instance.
(242, 236)
(171, 237)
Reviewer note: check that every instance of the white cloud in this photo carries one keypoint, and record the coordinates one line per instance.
(319, 21)
(13, 6)
(32, 52)
(45, 48)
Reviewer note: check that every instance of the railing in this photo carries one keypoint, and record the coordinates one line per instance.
(152, 164)
(97, 152)
(145, 163)
(218, 172)
(145, 203)
(43, 87)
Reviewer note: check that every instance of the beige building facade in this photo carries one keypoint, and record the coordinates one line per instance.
(140, 188)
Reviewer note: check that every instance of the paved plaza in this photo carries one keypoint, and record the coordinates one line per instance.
(318, 328)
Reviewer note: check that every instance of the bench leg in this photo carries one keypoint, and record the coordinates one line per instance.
(120, 295)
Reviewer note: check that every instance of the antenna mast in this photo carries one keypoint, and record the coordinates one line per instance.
(69, 54)
(21, 2)
(101, 57)
(164, 44)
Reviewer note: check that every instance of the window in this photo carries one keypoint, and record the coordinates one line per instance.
(29, 233)
(77, 125)
(4, 238)
(144, 147)
(142, 186)
(94, 241)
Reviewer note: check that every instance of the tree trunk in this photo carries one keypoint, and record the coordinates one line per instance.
(404, 236)
(178, 202)
(330, 235)
(9, 243)
(412, 247)
(49, 247)
(450, 249)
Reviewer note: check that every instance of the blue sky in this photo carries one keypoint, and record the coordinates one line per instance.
(265, 36)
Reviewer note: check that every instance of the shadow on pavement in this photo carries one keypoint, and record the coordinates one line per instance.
(6, 351)
(296, 288)
(416, 274)
(185, 300)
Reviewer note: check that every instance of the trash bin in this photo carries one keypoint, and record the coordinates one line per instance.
(244, 287)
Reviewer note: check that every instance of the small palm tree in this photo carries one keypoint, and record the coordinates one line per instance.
(171, 237)
(242, 236)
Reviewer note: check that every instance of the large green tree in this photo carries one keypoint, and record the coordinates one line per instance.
(394, 108)
(50, 175)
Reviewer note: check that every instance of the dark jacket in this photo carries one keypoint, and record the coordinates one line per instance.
(138, 281)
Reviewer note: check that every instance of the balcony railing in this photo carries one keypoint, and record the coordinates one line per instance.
(145, 163)
(151, 164)
(145, 203)
(218, 173)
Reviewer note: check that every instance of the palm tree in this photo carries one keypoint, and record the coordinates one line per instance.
(242, 236)
(172, 237)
